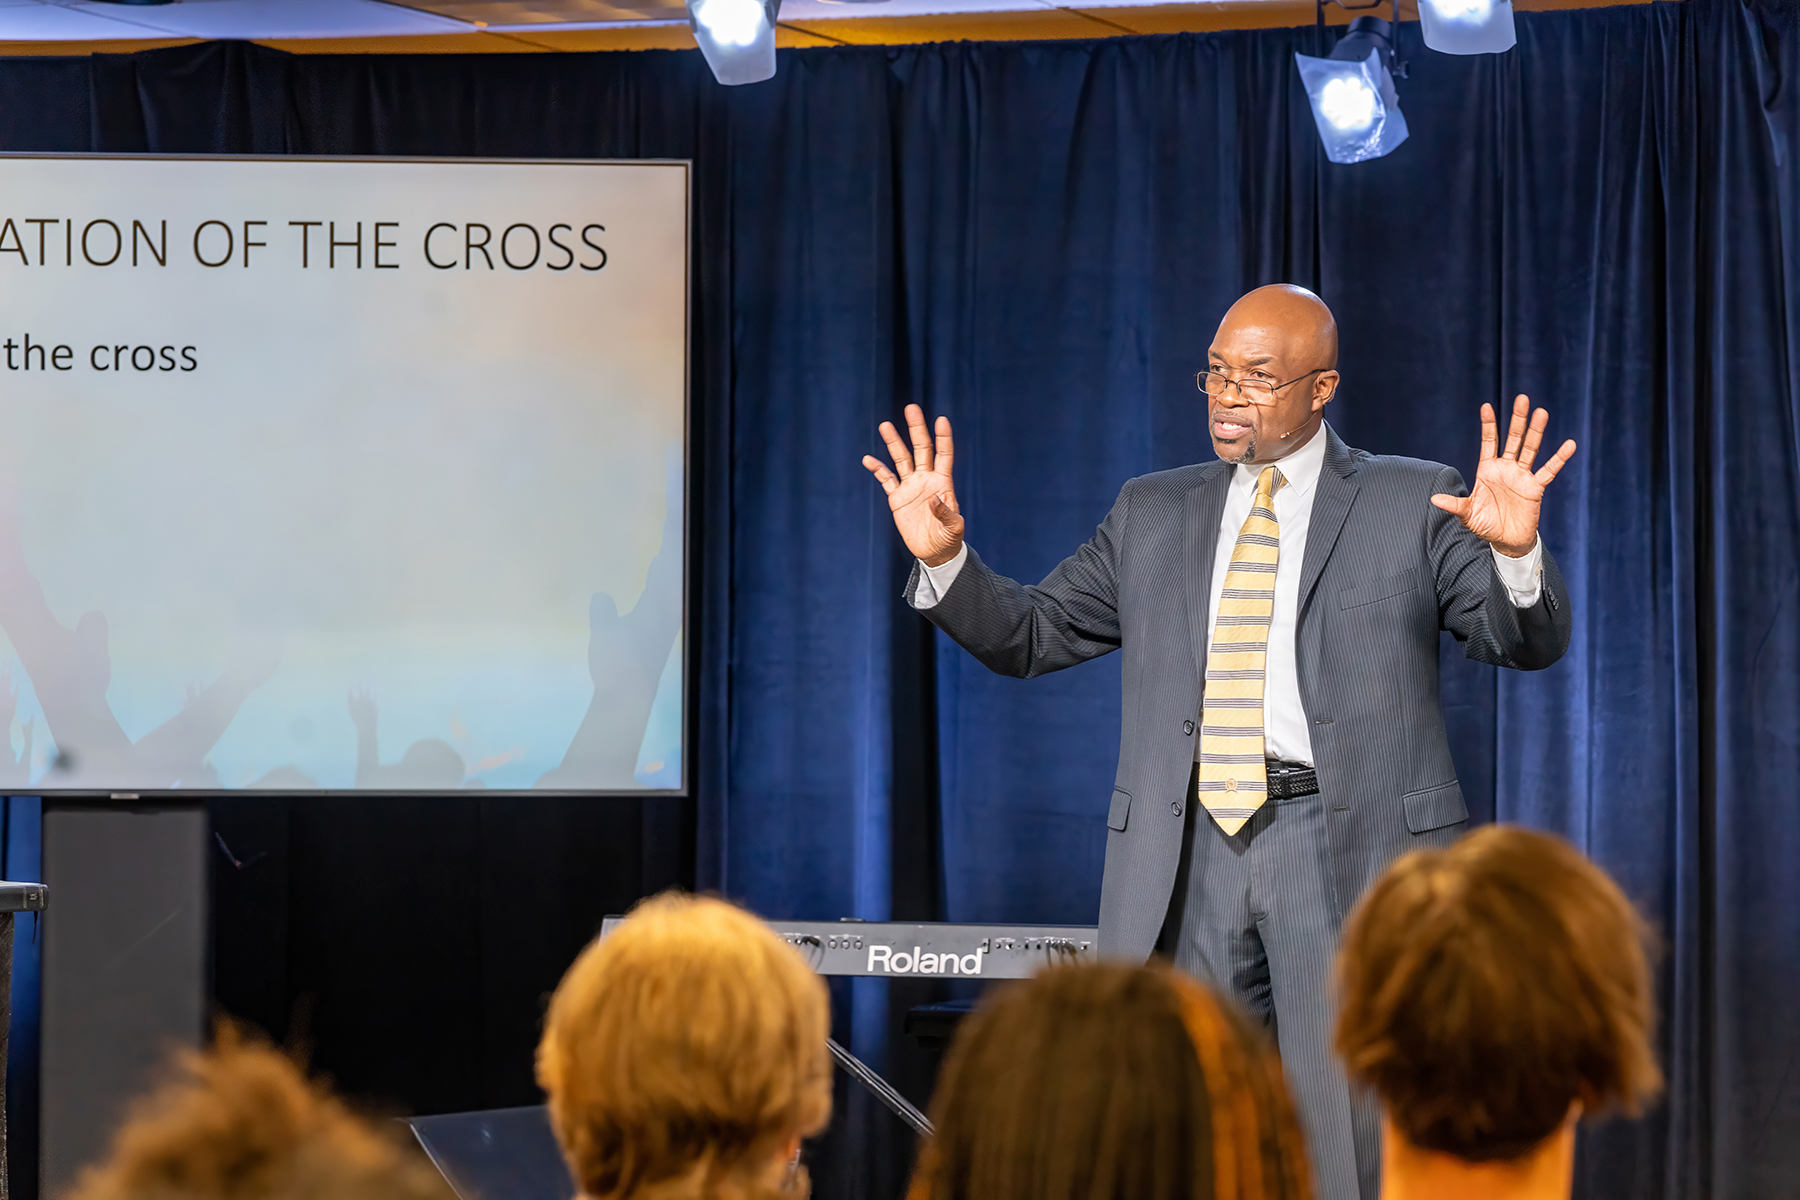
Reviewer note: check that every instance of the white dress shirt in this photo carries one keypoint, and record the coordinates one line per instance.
(1285, 732)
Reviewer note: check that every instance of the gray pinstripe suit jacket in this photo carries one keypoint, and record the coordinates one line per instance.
(1384, 571)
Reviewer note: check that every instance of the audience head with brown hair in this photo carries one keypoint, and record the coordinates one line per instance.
(240, 1122)
(1111, 1082)
(684, 1056)
(1490, 994)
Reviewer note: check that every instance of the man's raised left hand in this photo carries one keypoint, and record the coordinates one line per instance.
(1502, 507)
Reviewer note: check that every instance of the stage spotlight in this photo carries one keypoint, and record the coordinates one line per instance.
(1468, 26)
(1352, 94)
(737, 37)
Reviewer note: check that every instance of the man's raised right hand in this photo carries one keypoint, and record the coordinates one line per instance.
(922, 498)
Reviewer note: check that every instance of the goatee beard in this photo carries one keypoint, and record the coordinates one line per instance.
(1249, 453)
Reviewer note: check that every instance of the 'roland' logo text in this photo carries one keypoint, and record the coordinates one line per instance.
(915, 962)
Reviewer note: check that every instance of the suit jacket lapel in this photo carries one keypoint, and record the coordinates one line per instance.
(1205, 507)
(1336, 492)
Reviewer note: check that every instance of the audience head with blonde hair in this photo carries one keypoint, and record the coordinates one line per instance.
(684, 1055)
(1111, 1082)
(240, 1122)
(1490, 994)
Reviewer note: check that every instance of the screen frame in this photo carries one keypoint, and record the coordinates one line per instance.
(687, 668)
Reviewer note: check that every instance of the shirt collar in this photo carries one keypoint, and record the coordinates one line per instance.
(1300, 467)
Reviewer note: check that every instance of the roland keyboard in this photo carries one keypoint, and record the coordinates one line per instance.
(896, 949)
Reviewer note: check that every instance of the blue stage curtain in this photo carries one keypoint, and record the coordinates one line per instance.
(1038, 240)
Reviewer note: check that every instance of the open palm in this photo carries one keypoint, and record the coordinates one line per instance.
(1503, 505)
(919, 491)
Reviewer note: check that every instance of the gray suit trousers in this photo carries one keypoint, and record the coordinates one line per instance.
(1253, 917)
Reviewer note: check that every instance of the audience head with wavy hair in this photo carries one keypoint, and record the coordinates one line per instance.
(240, 1122)
(684, 1056)
(1491, 993)
(1111, 1082)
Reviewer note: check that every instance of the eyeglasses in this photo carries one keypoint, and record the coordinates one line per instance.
(1253, 391)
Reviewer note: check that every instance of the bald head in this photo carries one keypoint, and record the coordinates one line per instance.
(1288, 313)
(1279, 344)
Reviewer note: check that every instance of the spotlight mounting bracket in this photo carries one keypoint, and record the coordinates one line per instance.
(1390, 40)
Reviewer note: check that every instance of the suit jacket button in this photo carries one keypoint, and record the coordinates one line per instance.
(1175, 808)
(1187, 727)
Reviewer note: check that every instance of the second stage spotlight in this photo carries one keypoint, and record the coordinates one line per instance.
(1468, 26)
(737, 37)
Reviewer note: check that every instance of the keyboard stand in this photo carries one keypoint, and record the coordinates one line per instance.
(880, 1088)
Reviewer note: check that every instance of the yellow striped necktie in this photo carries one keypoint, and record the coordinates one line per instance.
(1232, 779)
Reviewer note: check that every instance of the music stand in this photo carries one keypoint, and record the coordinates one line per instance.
(512, 1152)
(502, 1152)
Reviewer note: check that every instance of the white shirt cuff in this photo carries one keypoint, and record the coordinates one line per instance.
(1523, 577)
(934, 582)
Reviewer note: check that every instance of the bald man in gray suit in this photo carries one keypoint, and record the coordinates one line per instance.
(1279, 613)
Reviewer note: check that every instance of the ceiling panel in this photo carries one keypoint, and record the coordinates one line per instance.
(1179, 17)
(261, 19)
(474, 42)
(888, 10)
(33, 22)
(1034, 25)
(530, 12)
(549, 12)
(663, 35)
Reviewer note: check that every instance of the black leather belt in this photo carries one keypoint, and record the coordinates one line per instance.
(1290, 781)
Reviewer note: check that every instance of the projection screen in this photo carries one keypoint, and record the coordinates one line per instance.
(342, 474)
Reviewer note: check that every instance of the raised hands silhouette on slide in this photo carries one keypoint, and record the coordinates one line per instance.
(71, 669)
(14, 771)
(1503, 504)
(429, 764)
(626, 655)
(919, 489)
